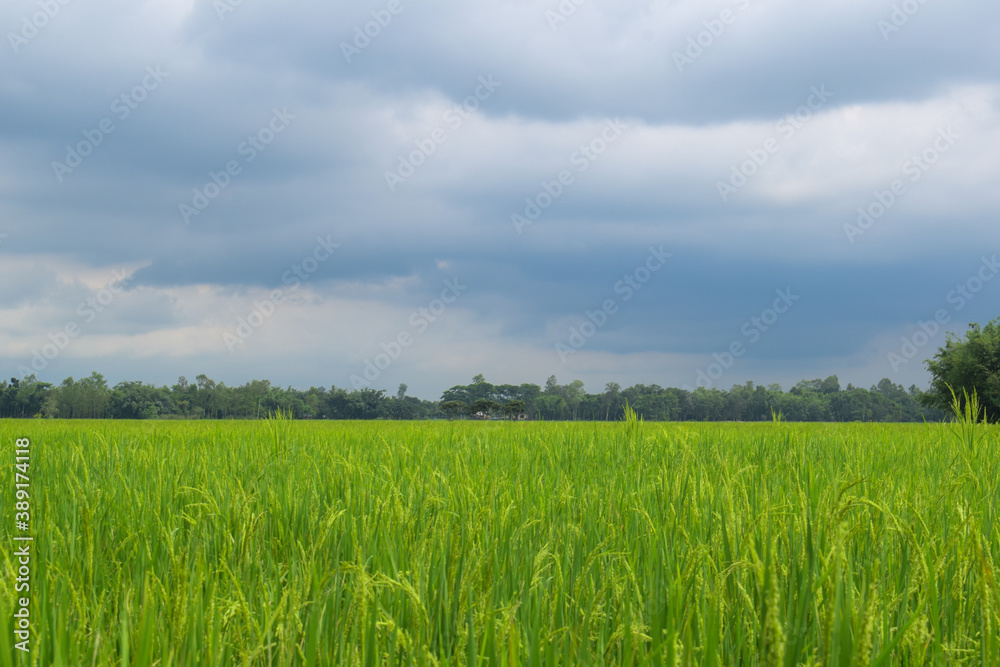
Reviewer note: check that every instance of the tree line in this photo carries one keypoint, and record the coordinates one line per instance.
(964, 366)
(809, 400)
(92, 398)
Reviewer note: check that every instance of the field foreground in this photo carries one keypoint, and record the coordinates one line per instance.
(371, 543)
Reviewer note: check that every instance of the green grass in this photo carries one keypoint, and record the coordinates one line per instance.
(380, 543)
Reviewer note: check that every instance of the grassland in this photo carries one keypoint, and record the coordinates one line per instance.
(377, 543)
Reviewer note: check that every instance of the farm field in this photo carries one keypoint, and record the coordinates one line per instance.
(493, 543)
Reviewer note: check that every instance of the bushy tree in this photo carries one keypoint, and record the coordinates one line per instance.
(969, 364)
(453, 408)
(136, 400)
(514, 408)
(484, 407)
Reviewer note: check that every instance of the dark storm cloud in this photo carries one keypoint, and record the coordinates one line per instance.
(608, 60)
(191, 91)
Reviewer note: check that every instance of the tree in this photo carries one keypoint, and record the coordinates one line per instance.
(366, 403)
(831, 385)
(401, 392)
(135, 400)
(967, 365)
(453, 408)
(206, 400)
(480, 389)
(24, 398)
(552, 408)
(457, 393)
(529, 393)
(402, 408)
(574, 394)
(513, 409)
(87, 398)
(484, 408)
(612, 399)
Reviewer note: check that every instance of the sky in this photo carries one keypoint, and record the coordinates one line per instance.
(403, 191)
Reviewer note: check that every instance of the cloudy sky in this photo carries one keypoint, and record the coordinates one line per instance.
(369, 193)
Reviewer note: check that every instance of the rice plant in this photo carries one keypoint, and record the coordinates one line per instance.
(507, 543)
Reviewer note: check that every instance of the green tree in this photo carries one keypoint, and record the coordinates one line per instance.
(574, 394)
(831, 385)
(26, 397)
(135, 400)
(484, 408)
(453, 408)
(612, 400)
(514, 408)
(87, 398)
(457, 393)
(552, 407)
(480, 389)
(969, 364)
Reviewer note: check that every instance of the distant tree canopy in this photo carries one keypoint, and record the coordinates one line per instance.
(969, 364)
(92, 398)
(809, 400)
(453, 408)
(23, 398)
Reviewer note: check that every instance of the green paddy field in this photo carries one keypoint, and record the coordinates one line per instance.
(490, 543)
